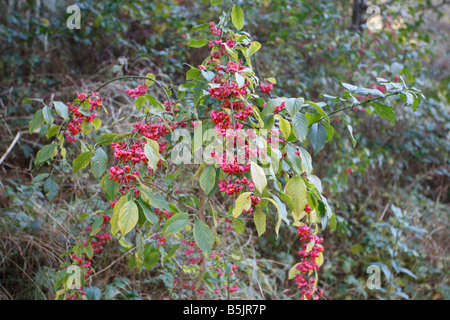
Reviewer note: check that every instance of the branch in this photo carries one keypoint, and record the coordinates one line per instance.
(11, 146)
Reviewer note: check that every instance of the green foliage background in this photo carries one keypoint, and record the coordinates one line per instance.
(390, 192)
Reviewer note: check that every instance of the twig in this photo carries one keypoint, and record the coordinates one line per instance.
(11, 146)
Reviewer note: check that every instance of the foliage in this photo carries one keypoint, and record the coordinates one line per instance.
(357, 159)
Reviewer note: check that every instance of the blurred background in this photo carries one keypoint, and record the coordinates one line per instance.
(390, 192)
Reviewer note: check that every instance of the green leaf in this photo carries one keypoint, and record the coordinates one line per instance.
(52, 131)
(296, 189)
(48, 115)
(306, 160)
(96, 123)
(176, 223)
(216, 2)
(242, 202)
(208, 179)
(318, 136)
(37, 121)
(61, 109)
(201, 26)
(115, 217)
(198, 43)
(111, 188)
(193, 74)
(151, 260)
(203, 236)
(82, 161)
(152, 157)
(45, 153)
(99, 162)
(385, 111)
(154, 200)
(149, 215)
(293, 271)
(239, 226)
(105, 138)
(40, 177)
(319, 110)
(86, 127)
(258, 177)
(294, 158)
(293, 105)
(128, 217)
(140, 103)
(237, 17)
(88, 250)
(51, 188)
(198, 92)
(253, 48)
(330, 130)
(270, 106)
(300, 126)
(285, 126)
(259, 218)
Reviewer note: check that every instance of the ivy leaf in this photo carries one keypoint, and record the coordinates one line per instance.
(318, 136)
(128, 217)
(237, 17)
(258, 177)
(242, 202)
(82, 161)
(203, 236)
(208, 179)
(385, 111)
(99, 162)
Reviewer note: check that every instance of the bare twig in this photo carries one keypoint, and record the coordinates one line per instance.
(11, 146)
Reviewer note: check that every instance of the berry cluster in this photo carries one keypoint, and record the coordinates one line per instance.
(138, 91)
(85, 262)
(74, 125)
(230, 188)
(266, 88)
(308, 261)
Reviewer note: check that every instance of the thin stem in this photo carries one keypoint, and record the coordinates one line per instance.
(362, 103)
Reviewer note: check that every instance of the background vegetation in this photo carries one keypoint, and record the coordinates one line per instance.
(390, 192)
